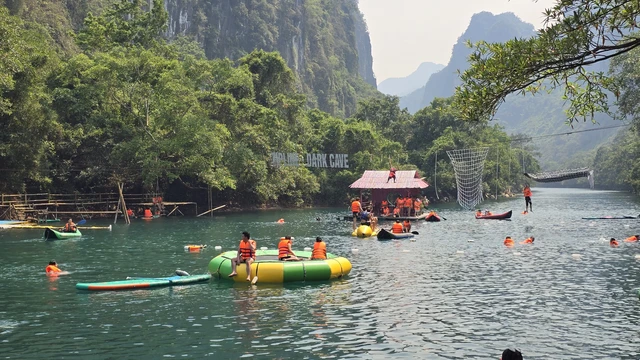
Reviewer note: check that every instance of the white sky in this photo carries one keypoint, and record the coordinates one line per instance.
(406, 33)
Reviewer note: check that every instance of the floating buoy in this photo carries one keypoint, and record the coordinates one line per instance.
(459, 252)
(626, 226)
(218, 247)
(280, 221)
(517, 253)
(405, 250)
(109, 227)
(195, 247)
(264, 248)
(576, 256)
(470, 240)
(355, 251)
(307, 249)
(637, 256)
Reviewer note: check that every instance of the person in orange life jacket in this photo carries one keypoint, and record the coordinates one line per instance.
(392, 172)
(70, 226)
(508, 241)
(130, 213)
(632, 238)
(397, 227)
(417, 206)
(408, 204)
(478, 212)
(528, 240)
(356, 209)
(285, 253)
(487, 213)
(384, 206)
(613, 242)
(406, 225)
(528, 205)
(319, 250)
(52, 268)
(400, 205)
(147, 213)
(246, 254)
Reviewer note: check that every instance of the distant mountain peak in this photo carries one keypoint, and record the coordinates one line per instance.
(405, 85)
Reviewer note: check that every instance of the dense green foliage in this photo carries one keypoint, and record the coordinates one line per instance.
(131, 107)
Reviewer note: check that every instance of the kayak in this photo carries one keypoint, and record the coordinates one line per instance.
(142, 283)
(51, 234)
(611, 218)
(432, 218)
(387, 235)
(401, 218)
(502, 216)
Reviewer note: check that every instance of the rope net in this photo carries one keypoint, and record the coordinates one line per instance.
(468, 165)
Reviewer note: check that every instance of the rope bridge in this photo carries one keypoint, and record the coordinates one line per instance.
(561, 175)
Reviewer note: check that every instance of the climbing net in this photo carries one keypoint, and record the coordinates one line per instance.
(469, 166)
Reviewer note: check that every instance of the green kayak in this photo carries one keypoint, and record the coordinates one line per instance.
(141, 283)
(51, 234)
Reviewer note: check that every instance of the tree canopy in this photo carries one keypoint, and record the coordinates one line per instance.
(578, 34)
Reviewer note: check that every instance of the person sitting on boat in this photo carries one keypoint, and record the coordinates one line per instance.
(487, 213)
(319, 250)
(246, 254)
(406, 225)
(356, 209)
(632, 238)
(285, 253)
(70, 226)
(478, 212)
(384, 206)
(397, 227)
(396, 211)
(613, 242)
(52, 268)
(528, 240)
(399, 205)
(508, 241)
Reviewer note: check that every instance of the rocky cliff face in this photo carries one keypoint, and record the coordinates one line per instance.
(324, 41)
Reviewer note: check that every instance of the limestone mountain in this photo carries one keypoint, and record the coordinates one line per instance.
(325, 42)
(408, 84)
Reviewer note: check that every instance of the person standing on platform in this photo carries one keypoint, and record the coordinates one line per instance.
(392, 172)
(356, 209)
(408, 204)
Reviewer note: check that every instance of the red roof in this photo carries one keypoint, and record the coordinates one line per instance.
(405, 179)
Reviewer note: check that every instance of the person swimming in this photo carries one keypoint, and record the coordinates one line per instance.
(613, 242)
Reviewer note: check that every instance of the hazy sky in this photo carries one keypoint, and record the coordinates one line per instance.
(406, 33)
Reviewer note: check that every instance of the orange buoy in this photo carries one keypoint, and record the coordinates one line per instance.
(195, 247)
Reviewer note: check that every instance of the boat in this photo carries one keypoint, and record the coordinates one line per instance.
(269, 269)
(401, 218)
(502, 216)
(611, 218)
(51, 234)
(143, 283)
(388, 235)
(433, 218)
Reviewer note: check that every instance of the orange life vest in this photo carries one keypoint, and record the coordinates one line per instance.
(396, 210)
(400, 202)
(392, 172)
(69, 227)
(384, 203)
(527, 192)
(319, 250)
(631, 239)
(407, 203)
(147, 213)
(246, 251)
(614, 243)
(355, 206)
(417, 205)
(396, 228)
(527, 241)
(52, 268)
(509, 242)
(385, 211)
(283, 248)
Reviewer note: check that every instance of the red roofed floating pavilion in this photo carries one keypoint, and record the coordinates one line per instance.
(408, 183)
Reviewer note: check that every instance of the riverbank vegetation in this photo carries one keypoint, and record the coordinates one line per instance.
(130, 107)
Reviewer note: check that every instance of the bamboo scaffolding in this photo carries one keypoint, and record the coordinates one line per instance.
(212, 210)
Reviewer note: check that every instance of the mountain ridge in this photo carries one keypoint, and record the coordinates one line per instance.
(401, 86)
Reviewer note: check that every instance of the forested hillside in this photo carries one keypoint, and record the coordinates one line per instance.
(325, 42)
(124, 104)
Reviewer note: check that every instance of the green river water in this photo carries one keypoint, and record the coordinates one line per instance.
(454, 293)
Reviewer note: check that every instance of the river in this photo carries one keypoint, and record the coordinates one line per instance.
(455, 293)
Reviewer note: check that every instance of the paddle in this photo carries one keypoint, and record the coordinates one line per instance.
(81, 222)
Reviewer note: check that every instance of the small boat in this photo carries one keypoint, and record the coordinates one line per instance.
(433, 218)
(269, 269)
(141, 283)
(388, 235)
(502, 216)
(611, 218)
(51, 234)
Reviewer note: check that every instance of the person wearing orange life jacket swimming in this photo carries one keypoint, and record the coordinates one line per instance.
(528, 240)
(52, 268)
(406, 226)
(632, 238)
(397, 227)
(246, 254)
(528, 205)
(285, 253)
(70, 226)
(508, 241)
(319, 250)
(356, 209)
(613, 242)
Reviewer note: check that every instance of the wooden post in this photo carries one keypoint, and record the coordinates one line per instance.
(124, 205)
